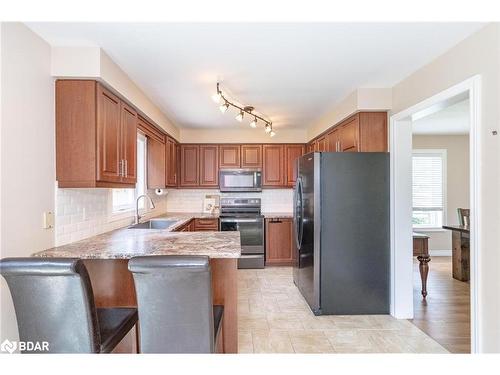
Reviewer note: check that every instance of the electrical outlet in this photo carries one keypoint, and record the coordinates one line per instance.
(48, 220)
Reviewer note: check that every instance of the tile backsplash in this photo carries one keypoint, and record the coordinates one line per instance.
(82, 213)
(191, 200)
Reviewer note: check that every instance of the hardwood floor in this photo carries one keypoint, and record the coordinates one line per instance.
(445, 314)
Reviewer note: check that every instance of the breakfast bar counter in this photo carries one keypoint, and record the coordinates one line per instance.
(106, 258)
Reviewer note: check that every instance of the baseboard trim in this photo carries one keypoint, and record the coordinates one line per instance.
(440, 253)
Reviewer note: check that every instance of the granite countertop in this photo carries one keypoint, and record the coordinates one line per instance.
(278, 215)
(182, 218)
(126, 243)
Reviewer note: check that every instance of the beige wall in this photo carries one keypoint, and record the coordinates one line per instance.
(241, 134)
(92, 62)
(362, 99)
(27, 152)
(457, 181)
(479, 54)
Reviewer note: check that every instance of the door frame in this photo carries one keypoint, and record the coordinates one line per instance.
(401, 207)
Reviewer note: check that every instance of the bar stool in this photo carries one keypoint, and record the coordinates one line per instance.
(54, 302)
(174, 298)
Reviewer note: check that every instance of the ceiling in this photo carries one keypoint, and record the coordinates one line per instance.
(451, 120)
(291, 72)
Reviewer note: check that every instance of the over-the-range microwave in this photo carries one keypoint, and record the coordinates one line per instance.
(240, 180)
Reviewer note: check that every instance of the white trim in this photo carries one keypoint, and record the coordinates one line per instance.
(401, 252)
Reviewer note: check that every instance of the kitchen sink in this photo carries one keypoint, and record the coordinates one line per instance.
(153, 224)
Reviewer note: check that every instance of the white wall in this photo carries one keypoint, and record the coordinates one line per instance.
(27, 152)
(479, 54)
(457, 181)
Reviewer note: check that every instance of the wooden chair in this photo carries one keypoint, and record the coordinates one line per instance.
(463, 216)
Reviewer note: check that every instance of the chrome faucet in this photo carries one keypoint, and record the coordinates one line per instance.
(137, 216)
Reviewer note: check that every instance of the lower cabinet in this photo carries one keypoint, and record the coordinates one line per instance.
(279, 250)
(200, 225)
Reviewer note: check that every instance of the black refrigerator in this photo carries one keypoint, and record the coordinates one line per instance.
(341, 232)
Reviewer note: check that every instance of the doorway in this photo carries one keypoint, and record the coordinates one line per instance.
(401, 146)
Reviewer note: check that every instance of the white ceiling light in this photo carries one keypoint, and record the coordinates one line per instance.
(239, 116)
(217, 97)
(272, 133)
(253, 124)
(268, 128)
(223, 108)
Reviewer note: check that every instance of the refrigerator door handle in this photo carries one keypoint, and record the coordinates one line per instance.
(298, 213)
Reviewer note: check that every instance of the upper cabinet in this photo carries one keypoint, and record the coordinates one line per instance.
(209, 165)
(273, 172)
(171, 165)
(96, 134)
(229, 156)
(292, 153)
(190, 176)
(362, 132)
(251, 156)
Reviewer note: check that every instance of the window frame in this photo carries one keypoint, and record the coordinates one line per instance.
(130, 211)
(443, 154)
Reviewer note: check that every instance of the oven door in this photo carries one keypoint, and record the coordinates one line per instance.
(251, 232)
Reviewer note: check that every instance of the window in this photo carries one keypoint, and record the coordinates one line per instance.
(429, 186)
(123, 200)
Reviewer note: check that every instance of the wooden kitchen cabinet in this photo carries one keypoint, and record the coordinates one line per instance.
(190, 176)
(206, 224)
(273, 172)
(279, 251)
(292, 153)
(156, 178)
(321, 145)
(373, 135)
(229, 156)
(349, 135)
(332, 141)
(251, 156)
(171, 165)
(209, 166)
(96, 137)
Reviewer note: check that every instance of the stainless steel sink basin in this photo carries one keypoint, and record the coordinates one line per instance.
(153, 224)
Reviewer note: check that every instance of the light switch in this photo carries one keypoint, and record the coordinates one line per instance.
(48, 220)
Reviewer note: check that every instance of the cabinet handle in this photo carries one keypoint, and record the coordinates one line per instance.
(120, 169)
(125, 168)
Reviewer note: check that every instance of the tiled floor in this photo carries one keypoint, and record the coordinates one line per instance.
(274, 318)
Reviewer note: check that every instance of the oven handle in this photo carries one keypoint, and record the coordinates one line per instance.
(231, 220)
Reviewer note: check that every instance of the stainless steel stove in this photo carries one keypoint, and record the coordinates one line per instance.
(244, 215)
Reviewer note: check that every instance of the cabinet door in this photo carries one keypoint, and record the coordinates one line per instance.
(109, 161)
(279, 242)
(156, 164)
(251, 156)
(292, 153)
(273, 170)
(129, 143)
(209, 165)
(332, 140)
(349, 135)
(229, 156)
(171, 162)
(321, 145)
(189, 165)
(373, 132)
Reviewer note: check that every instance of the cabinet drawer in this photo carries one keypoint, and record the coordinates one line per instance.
(206, 224)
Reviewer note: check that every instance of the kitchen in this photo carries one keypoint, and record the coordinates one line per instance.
(245, 215)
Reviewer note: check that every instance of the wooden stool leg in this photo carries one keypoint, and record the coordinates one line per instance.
(424, 271)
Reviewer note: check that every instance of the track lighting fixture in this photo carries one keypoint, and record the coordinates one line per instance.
(219, 96)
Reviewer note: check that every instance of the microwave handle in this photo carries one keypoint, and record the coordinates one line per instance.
(236, 220)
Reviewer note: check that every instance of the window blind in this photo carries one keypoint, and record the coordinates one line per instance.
(428, 182)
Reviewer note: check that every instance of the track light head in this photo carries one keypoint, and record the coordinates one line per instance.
(239, 116)
(217, 97)
(223, 108)
(268, 128)
(253, 124)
